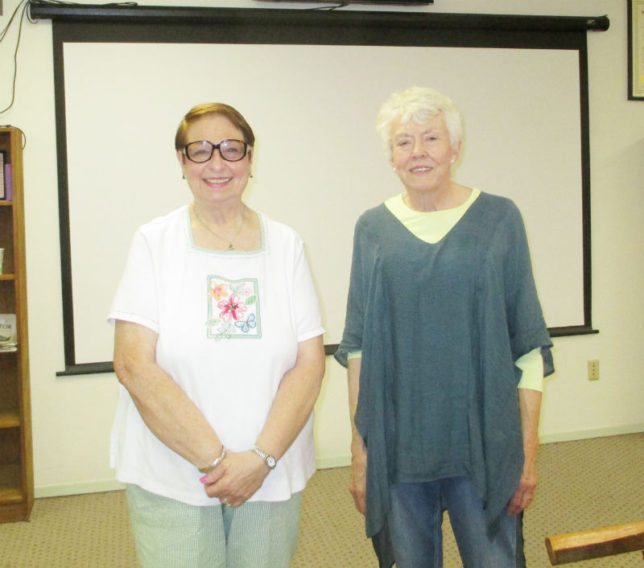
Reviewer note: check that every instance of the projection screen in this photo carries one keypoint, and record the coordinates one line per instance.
(318, 162)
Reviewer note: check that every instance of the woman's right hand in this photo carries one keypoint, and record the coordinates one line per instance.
(358, 483)
(237, 478)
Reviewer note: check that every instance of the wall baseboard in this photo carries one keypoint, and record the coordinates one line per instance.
(592, 433)
(336, 461)
(328, 462)
(77, 488)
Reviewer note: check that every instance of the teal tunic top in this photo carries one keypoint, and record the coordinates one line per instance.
(440, 327)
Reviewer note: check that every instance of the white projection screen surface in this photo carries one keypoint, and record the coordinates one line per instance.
(318, 161)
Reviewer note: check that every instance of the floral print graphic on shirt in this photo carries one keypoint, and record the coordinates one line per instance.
(233, 308)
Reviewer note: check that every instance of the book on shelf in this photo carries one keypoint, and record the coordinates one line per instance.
(3, 190)
(8, 332)
(8, 182)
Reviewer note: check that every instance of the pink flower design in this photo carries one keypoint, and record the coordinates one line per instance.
(231, 308)
(245, 291)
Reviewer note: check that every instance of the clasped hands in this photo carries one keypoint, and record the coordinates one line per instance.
(236, 479)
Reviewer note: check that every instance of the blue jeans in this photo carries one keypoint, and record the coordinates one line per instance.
(416, 517)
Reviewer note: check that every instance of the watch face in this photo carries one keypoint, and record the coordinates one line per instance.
(270, 461)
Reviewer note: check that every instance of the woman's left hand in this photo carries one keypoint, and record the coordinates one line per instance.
(529, 407)
(527, 485)
(522, 496)
(237, 478)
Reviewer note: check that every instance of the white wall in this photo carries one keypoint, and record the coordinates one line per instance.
(72, 415)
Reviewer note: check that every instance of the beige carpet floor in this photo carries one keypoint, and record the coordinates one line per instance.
(584, 484)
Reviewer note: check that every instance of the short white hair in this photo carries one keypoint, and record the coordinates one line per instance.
(419, 104)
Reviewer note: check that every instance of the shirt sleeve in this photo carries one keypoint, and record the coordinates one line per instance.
(136, 296)
(531, 365)
(307, 306)
(527, 326)
(353, 325)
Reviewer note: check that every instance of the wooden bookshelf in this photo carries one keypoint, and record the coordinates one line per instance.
(16, 461)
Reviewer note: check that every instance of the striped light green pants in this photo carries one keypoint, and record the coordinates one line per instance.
(170, 534)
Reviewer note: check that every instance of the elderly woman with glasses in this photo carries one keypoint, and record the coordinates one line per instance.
(446, 349)
(218, 349)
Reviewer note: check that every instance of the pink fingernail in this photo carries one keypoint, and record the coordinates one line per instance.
(204, 479)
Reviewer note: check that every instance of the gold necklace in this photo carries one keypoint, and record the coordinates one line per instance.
(231, 246)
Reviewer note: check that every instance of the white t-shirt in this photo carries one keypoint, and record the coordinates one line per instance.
(228, 325)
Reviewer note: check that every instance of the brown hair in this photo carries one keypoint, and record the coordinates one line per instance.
(199, 111)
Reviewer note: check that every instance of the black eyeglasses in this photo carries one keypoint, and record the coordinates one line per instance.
(201, 151)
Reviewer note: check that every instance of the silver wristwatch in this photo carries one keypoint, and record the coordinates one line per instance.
(271, 462)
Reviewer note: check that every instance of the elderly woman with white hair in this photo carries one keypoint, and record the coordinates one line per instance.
(446, 348)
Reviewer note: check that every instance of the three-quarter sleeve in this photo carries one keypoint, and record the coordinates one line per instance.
(354, 321)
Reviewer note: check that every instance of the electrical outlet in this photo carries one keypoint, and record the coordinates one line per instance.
(593, 370)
